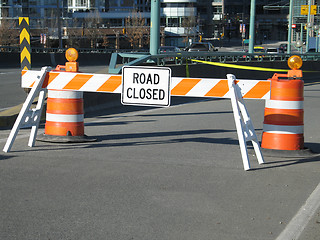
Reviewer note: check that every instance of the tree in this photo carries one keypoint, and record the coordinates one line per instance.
(136, 30)
(92, 31)
(8, 34)
(105, 42)
(189, 23)
(74, 34)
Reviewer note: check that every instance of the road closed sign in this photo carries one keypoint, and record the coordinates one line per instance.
(146, 86)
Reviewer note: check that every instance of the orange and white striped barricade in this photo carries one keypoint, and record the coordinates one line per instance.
(283, 127)
(189, 87)
(219, 88)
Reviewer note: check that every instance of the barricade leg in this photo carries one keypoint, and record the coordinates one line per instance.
(245, 129)
(29, 117)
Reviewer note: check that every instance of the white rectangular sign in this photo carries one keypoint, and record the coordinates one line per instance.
(147, 86)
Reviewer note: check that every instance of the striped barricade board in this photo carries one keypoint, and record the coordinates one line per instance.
(189, 87)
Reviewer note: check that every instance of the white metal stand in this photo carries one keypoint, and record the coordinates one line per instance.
(244, 124)
(30, 117)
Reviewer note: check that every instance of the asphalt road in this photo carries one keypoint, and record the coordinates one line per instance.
(11, 92)
(164, 173)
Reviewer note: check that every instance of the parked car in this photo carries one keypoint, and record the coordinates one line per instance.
(200, 47)
(283, 47)
(169, 49)
(164, 49)
(311, 50)
(272, 50)
(258, 50)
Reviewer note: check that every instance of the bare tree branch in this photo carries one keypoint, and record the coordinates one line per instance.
(136, 30)
(9, 36)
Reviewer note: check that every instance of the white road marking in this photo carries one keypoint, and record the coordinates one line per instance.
(298, 223)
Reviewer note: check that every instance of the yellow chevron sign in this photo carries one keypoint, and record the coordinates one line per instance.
(24, 35)
(25, 54)
(26, 19)
(25, 48)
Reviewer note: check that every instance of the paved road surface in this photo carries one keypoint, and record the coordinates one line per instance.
(168, 173)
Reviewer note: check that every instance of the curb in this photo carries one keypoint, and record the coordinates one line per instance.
(8, 116)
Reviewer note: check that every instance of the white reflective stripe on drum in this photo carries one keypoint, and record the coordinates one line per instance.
(283, 129)
(64, 117)
(278, 104)
(65, 94)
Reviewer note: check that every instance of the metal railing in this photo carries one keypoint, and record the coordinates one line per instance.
(141, 56)
(62, 50)
(182, 57)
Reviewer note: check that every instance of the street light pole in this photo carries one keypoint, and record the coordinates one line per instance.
(252, 23)
(316, 28)
(59, 23)
(308, 26)
(290, 27)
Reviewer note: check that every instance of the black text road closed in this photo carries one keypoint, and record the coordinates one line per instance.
(146, 86)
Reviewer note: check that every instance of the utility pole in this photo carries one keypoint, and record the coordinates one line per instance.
(252, 23)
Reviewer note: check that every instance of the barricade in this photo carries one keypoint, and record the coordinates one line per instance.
(283, 127)
(236, 90)
(231, 88)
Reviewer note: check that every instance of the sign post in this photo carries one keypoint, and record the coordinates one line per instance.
(146, 86)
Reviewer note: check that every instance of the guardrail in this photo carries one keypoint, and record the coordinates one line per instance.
(180, 58)
(62, 50)
(164, 58)
(133, 57)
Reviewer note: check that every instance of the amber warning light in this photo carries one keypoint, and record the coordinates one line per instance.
(72, 55)
(295, 62)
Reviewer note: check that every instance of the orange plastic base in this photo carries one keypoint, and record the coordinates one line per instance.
(62, 129)
(282, 141)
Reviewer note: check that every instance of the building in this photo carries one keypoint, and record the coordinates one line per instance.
(179, 18)
(301, 25)
(231, 19)
(181, 21)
